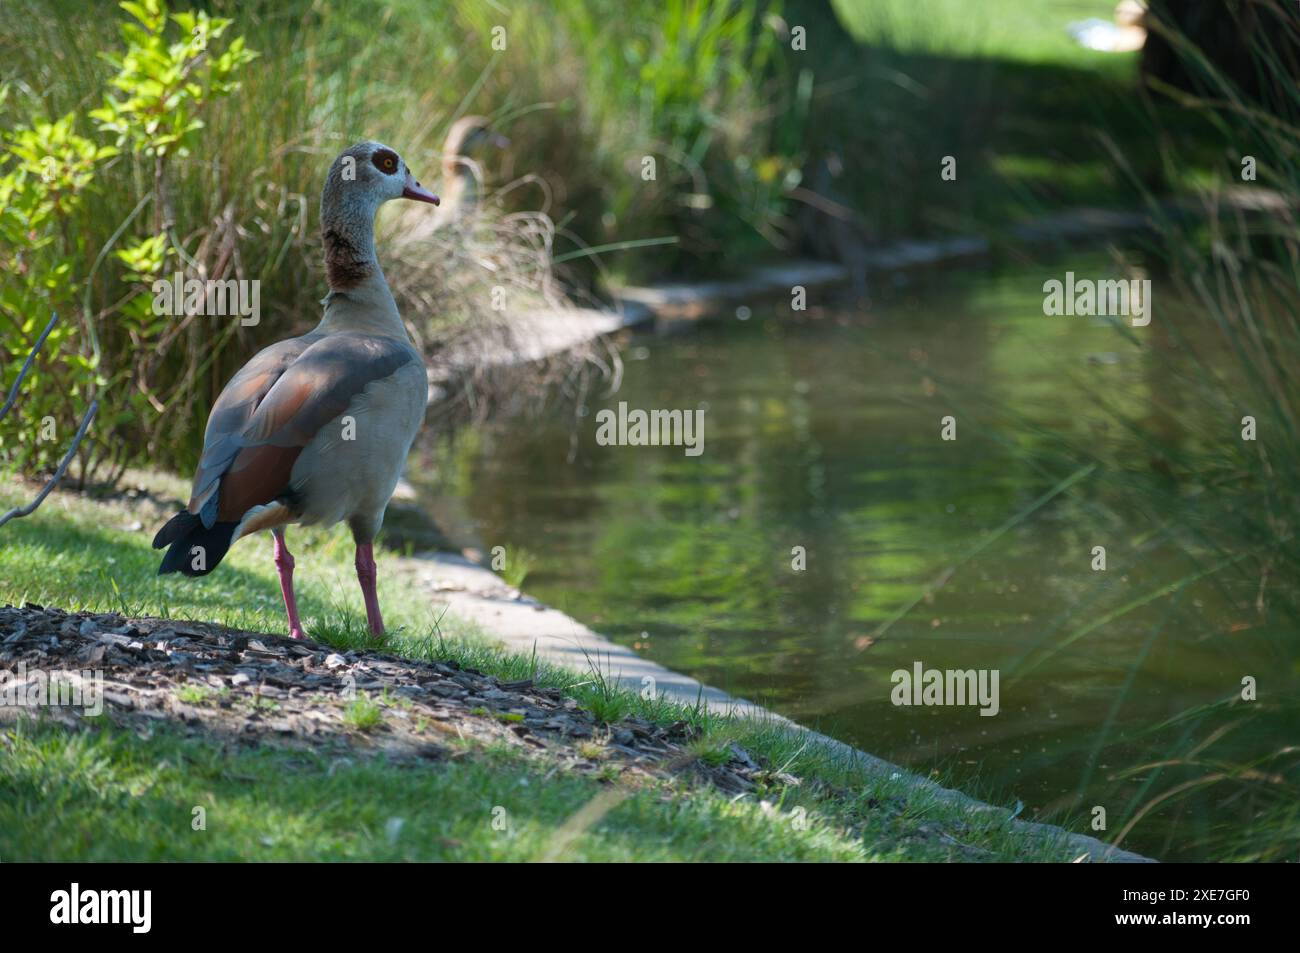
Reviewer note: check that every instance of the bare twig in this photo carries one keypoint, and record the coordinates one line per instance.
(20, 511)
(27, 365)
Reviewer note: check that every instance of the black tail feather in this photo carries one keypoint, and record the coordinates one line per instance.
(175, 528)
(195, 550)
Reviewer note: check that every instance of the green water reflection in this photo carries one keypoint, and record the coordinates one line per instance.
(822, 431)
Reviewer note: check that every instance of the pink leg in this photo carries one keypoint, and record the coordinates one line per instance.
(284, 564)
(366, 575)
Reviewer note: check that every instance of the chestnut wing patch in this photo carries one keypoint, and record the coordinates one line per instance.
(231, 413)
(312, 390)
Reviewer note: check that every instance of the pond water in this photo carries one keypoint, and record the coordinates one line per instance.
(822, 430)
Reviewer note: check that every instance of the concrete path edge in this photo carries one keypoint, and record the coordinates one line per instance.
(521, 624)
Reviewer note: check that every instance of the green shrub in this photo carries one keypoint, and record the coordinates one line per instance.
(53, 245)
(45, 172)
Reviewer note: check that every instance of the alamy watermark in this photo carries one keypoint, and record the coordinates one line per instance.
(1108, 297)
(37, 688)
(212, 297)
(652, 428)
(948, 687)
(77, 906)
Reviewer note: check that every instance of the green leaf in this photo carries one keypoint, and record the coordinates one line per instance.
(138, 11)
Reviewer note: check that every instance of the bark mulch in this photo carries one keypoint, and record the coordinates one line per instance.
(255, 689)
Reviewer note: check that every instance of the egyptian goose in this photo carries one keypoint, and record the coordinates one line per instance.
(315, 429)
(461, 173)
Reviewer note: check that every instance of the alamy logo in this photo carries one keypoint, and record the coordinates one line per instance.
(213, 297)
(655, 428)
(37, 688)
(923, 686)
(1105, 298)
(74, 906)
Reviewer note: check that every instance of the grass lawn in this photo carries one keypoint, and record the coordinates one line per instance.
(1030, 32)
(106, 790)
(1035, 122)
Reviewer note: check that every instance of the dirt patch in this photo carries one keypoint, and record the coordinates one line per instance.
(251, 688)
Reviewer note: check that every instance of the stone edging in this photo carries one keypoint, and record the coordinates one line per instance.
(526, 626)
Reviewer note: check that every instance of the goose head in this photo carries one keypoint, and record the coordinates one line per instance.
(466, 141)
(467, 138)
(365, 176)
(362, 178)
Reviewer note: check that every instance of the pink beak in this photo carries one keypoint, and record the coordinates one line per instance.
(414, 190)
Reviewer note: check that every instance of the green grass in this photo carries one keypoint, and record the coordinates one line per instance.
(1030, 32)
(104, 793)
(516, 564)
(363, 714)
(108, 795)
(195, 693)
